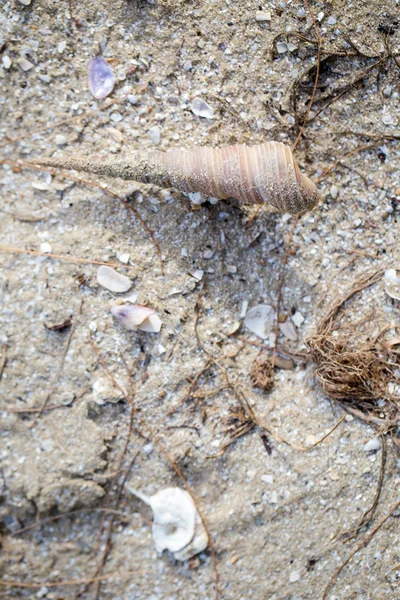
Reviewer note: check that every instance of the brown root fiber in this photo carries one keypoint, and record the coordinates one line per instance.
(357, 365)
(262, 372)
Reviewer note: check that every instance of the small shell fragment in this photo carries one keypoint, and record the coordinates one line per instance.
(137, 317)
(177, 525)
(112, 280)
(392, 284)
(200, 108)
(101, 78)
(259, 320)
(373, 445)
(25, 64)
(289, 330)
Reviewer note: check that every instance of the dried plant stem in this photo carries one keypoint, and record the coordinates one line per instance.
(357, 549)
(73, 259)
(72, 582)
(58, 372)
(3, 360)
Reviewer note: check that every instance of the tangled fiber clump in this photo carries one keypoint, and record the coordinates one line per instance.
(359, 368)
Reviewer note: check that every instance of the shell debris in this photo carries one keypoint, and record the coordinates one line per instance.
(136, 317)
(259, 320)
(177, 525)
(392, 284)
(101, 78)
(113, 281)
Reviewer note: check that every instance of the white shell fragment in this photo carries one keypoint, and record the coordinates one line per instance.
(200, 108)
(392, 284)
(137, 317)
(263, 16)
(177, 526)
(289, 330)
(112, 280)
(259, 320)
(373, 445)
(101, 78)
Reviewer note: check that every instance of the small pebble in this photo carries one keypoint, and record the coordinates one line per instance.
(124, 258)
(388, 119)
(209, 254)
(331, 21)
(198, 274)
(387, 91)
(25, 2)
(200, 108)
(7, 62)
(112, 280)
(25, 64)
(281, 47)
(231, 269)
(155, 135)
(133, 99)
(294, 576)
(289, 330)
(45, 248)
(320, 16)
(61, 47)
(373, 445)
(263, 16)
(334, 192)
(116, 117)
(60, 140)
(298, 318)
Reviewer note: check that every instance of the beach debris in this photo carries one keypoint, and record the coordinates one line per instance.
(275, 178)
(112, 280)
(25, 64)
(289, 330)
(259, 320)
(392, 284)
(46, 248)
(155, 135)
(263, 16)
(137, 317)
(298, 318)
(200, 108)
(7, 62)
(373, 445)
(101, 78)
(262, 372)
(177, 525)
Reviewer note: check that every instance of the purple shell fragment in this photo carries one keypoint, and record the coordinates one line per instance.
(101, 78)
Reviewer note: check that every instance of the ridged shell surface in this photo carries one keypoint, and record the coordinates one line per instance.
(267, 173)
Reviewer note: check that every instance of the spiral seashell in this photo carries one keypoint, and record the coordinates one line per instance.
(263, 174)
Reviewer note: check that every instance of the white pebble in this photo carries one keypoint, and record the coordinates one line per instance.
(388, 119)
(25, 64)
(294, 576)
(281, 47)
(60, 140)
(334, 192)
(45, 248)
(209, 254)
(231, 269)
(263, 16)
(61, 47)
(200, 108)
(133, 99)
(198, 274)
(289, 330)
(298, 318)
(25, 2)
(331, 21)
(320, 16)
(7, 62)
(116, 117)
(124, 258)
(155, 135)
(373, 445)
(112, 280)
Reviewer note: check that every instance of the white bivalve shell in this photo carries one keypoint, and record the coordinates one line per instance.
(137, 317)
(177, 525)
